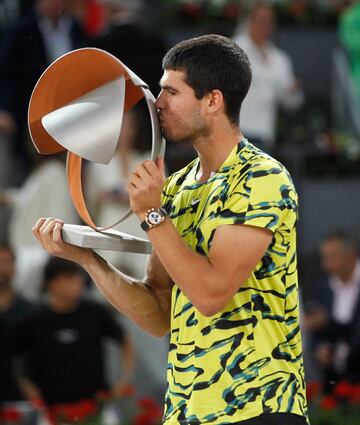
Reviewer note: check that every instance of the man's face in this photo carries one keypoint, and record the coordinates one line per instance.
(335, 259)
(7, 267)
(67, 287)
(261, 24)
(52, 9)
(181, 114)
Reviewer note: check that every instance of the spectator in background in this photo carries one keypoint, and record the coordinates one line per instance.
(13, 309)
(43, 192)
(35, 40)
(273, 82)
(108, 199)
(333, 313)
(349, 31)
(64, 342)
(125, 36)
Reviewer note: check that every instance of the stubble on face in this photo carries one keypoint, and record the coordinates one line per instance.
(180, 112)
(186, 125)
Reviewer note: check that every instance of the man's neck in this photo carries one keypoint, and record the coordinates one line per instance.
(260, 42)
(62, 305)
(7, 297)
(215, 148)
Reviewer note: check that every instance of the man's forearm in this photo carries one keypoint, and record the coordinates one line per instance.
(210, 281)
(191, 271)
(133, 298)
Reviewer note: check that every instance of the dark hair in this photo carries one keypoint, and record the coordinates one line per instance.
(213, 62)
(56, 267)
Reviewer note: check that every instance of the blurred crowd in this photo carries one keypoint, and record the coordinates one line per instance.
(53, 323)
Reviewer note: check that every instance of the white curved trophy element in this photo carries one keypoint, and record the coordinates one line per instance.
(98, 88)
(90, 125)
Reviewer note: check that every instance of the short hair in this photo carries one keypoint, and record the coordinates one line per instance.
(213, 62)
(56, 267)
(348, 241)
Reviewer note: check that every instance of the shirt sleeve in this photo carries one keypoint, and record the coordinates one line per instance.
(264, 198)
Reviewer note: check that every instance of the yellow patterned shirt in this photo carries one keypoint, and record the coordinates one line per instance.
(245, 360)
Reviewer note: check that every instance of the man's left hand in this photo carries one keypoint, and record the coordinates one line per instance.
(145, 186)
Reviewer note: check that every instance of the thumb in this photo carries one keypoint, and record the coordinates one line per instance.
(160, 163)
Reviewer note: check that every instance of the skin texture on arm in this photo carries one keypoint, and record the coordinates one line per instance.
(146, 303)
(127, 362)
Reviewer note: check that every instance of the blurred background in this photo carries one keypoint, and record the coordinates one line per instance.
(303, 108)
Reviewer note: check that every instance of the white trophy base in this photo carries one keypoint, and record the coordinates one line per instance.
(113, 240)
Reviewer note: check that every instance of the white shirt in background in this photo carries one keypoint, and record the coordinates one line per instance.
(272, 80)
(346, 295)
(57, 39)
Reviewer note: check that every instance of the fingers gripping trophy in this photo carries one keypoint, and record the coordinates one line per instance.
(78, 105)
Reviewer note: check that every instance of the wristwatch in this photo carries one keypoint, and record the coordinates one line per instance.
(153, 218)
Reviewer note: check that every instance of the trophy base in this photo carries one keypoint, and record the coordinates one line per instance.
(112, 240)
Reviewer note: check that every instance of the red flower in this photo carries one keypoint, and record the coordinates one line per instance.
(150, 407)
(73, 412)
(191, 10)
(343, 390)
(143, 419)
(329, 403)
(10, 415)
(37, 403)
(102, 395)
(231, 11)
(313, 389)
(355, 394)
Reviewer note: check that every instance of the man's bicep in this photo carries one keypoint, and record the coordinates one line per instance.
(236, 251)
(159, 281)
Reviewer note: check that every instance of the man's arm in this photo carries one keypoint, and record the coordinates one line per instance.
(127, 357)
(210, 281)
(147, 303)
(28, 388)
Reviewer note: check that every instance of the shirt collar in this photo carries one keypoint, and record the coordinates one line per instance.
(337, 283)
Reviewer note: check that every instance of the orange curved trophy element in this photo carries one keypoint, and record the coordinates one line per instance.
(78, 105)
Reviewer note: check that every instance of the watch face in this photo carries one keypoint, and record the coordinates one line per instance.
(155, 218)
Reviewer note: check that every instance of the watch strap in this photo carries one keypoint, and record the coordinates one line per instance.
(146, 225)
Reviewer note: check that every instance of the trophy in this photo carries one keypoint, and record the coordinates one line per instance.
(78, 105)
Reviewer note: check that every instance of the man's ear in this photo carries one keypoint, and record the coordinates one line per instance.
(215, 100)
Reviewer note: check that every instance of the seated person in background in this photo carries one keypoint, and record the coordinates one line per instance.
(13, 309)
(334, 311)
(33, 41)
(273, 82)
(64, 342)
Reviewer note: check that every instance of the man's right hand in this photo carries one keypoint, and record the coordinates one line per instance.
(48, 232)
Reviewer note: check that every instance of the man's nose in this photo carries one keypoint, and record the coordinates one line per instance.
(159, 101)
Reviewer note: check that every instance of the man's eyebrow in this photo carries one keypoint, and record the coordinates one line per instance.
(167, 87)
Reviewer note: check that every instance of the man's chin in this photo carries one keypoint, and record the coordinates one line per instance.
(172, 138)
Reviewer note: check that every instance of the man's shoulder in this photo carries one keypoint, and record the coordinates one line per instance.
(256, 163)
